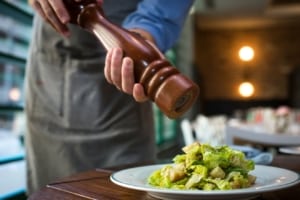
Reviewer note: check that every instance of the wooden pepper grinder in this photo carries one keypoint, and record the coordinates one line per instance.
(172, 92)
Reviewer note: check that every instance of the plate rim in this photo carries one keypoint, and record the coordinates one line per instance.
(243, 191)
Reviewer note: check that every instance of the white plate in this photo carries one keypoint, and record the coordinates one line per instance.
(290, 150)
(268, 179)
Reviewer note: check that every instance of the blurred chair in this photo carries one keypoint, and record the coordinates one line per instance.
(187, 132)
(210, 130)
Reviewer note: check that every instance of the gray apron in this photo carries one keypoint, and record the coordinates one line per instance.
(76, 120)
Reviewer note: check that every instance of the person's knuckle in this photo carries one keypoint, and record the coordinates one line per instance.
(48, 12)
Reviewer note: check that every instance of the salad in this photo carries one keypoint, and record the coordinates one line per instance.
(204, 167)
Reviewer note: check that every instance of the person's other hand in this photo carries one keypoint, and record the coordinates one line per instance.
(55, 13)
(119, 71)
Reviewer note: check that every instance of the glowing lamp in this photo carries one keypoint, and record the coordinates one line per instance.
(246, 53)
(246, 89)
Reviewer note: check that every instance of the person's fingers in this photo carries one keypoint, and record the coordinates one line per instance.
(48, 13)
(60, 10)
(53, 19)
(116, 64)
(127, 72)
(108, 66)
(36, 6)
(119, 71)
(100, 2)
(139, 93)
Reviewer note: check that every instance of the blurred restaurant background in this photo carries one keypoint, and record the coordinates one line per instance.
(244, 55)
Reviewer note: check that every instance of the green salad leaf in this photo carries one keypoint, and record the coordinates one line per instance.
(204, 167)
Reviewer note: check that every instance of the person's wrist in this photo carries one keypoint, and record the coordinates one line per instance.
(146, 35)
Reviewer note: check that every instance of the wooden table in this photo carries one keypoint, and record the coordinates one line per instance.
(95, 184)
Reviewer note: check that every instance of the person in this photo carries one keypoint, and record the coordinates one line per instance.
(83, 109)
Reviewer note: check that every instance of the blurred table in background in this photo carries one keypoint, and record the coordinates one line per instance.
(257, 135)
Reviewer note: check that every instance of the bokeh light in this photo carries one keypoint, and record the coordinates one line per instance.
(246, 53)
(246, 89)
(15, 94)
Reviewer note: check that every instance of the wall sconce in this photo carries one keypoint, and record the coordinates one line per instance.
(246, 53)
(246, 88)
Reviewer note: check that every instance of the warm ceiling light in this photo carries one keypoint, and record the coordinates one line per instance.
(246, 89)
(246, 53)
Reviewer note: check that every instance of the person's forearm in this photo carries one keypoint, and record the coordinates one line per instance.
(162, 19)
(146, 35)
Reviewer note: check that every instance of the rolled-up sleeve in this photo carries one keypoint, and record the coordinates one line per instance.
(163, 19)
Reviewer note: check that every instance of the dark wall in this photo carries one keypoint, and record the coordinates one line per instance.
(274, 71)
(230, 107)
(294, 89)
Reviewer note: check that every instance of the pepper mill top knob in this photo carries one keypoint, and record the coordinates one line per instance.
(172, 92)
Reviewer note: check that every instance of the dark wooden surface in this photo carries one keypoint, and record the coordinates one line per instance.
(95, 184)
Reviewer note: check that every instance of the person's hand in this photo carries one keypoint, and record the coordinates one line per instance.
(119, 71)
(55, 13)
